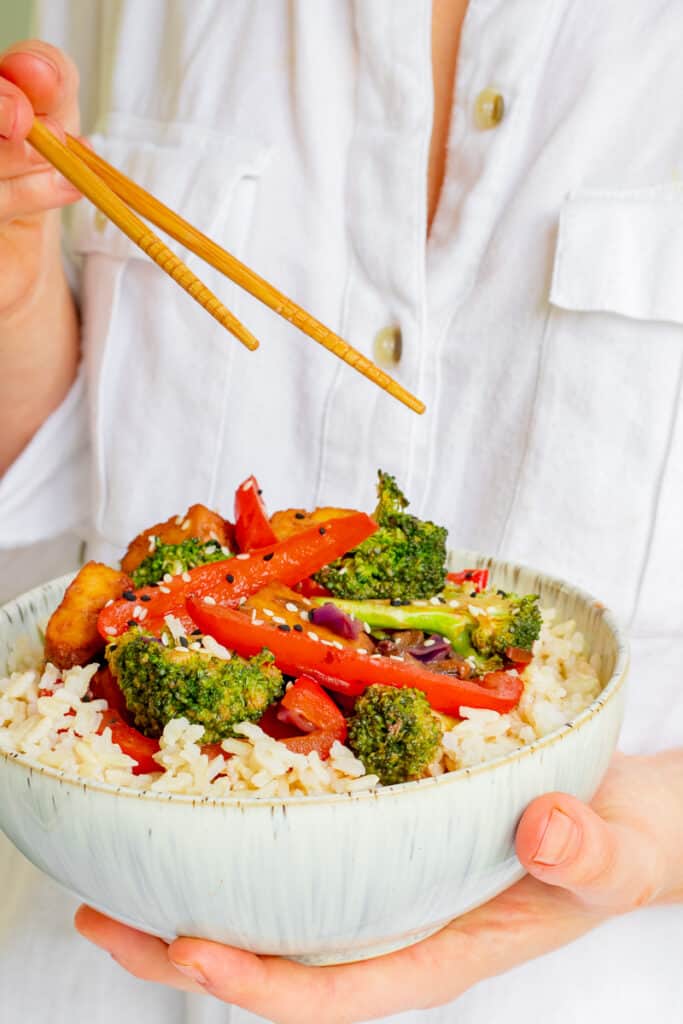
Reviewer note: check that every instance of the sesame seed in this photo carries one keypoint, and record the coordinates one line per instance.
(209, 600)
(328, 643)
(168, 578)
(152, 543)
(131, 623)
(185, 525)
(304, 616)
(186, 577)
(429, 643)
(109, 602)
(434, 600)
(137, 611)
(280, 621)
(269, 612)
(397, 602)
(226, 551)
(143, 614)
(267, 558)
(322, 531)
(145, 597)
(453, 604)
(183, 641)
(375, 655)
(164, 639)
(297, 627)
(110, 630)
(129, 595)
(178, 520)
(291, 607)
(313, 636)
(335, 643)
(196, 632)
(242, 556)
(241, 601)
(366, 627)
(395, 657)
(259, 491)
(165, 590)
(257, 622)
(211, 549)
(247, 485)
(195, 646)
(229, 577)
(284, 627)
(299, 515)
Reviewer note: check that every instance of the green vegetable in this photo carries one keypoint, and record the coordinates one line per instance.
(452, 623)
(510, 621)
(394, 732)
(405, 559)
(176, 559)
(160, 683)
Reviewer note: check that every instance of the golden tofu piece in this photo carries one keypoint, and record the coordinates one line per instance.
(293, 520)
(199, 521)
(71, 637)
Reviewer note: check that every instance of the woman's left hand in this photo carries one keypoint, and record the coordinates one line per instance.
(585, 864)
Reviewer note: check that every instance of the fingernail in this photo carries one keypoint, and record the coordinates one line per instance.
(558, 840)
(191, 971)
(8, 113)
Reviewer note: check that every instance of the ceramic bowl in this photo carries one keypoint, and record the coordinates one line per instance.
(319, 879)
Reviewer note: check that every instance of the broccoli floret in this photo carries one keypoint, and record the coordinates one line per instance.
(394, 732)
(161, 683)
(405, 559)
(176, 559)
(512, 621)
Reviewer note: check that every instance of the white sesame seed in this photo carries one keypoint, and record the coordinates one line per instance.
(257, 622)
(454, 604)
(429, 643)
(165, 590)
(313, 636)
(434, 600)
(328, 643)
(164, 639)
(110, 630)
(268, 611)
(195, 646)
(366, 627)
(343, 571)
(335, 643)
(137, 611)
(209, 600)
(304, 616)
(242, 556)
(152, 542)
(168, 578)
(211, 549)
(473, 610)
(279, 620)
(143, 614)
(109, 602)
(185, 525)
(247, 485)
(241, 601)
(178, 520)
(375, 655)
(186, 577)
(226, 551)
(395, 657)
(361, 650)
(291, 607)
(420, 604)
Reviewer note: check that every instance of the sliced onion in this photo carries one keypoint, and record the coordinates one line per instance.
(335, 619)
(296, 719)
(435, 648)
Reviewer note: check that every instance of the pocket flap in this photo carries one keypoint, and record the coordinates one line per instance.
(194, 177)
(622, 252)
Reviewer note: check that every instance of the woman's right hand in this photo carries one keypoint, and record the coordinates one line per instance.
(35, 78)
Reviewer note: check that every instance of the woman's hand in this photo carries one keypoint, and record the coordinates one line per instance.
(39, 344)
(585, 864)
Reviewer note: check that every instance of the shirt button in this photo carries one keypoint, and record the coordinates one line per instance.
(387, 347)
(489, 109)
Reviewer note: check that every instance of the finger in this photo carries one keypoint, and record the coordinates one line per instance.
(608, 865)
(33, 193)
(430, 973)
(46, 76)
(142, 955)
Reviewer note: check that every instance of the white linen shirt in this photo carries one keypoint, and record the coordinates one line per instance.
(542, 324)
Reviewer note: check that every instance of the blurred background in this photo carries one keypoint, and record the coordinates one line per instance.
(15, 16)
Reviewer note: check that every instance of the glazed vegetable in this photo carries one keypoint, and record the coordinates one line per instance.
(174, 559)
(288, 562)
(307, 706)
(252, 529)
(453, 624)
(404, 560)
(394, 733)
(506, 622)
(161, 683)
(351, 671)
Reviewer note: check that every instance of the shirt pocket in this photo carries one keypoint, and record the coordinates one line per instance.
(601, 484)
(158, 366)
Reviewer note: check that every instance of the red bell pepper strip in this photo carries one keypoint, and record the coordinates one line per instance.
(309, 588)
(287, 561)
(132, 742)
(252, 529)
(307, 701)
(478, 578)
(352, 671)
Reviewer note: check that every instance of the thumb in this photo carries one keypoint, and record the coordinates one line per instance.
(610, 866)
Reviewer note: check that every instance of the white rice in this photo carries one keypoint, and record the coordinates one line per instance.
(60, 730)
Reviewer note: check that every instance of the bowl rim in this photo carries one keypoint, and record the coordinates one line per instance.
(611, 688)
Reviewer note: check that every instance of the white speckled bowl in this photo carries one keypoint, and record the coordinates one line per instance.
(319, 879)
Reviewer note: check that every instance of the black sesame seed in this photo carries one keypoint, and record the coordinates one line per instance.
(131, 623)
(473, 593)
(267, 558)
(145, 597)
(322, 531)
(468, 575)
(259, 491)
(299, 515)
(152, 584)
(501, 593)
(129, 595)
(183, 641)
(396, 602)
(284, 627)
(298, 628)
(230, 578)
(196, 632)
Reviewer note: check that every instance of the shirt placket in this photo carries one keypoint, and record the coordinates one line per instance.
(384, 303)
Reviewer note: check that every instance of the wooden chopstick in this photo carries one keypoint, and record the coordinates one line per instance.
(174, 225)
(98, 192)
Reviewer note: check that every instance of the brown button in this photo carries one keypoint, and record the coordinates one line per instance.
(489, 109)
(387, 347)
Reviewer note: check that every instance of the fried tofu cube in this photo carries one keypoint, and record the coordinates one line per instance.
(71, 637)
(293, 520)
(199, 521)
